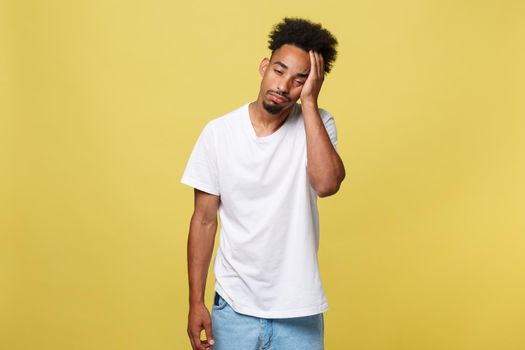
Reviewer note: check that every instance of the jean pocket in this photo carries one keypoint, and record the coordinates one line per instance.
(218, 302)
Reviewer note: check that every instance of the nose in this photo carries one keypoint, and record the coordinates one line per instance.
(283, 86)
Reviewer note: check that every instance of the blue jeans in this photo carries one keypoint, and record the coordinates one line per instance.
(234, 331)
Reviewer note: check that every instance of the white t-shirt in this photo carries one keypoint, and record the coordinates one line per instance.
(266, 263)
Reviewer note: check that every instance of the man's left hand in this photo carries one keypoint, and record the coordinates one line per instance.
(313, 83)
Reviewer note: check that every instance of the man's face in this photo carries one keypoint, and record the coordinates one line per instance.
(283, 78)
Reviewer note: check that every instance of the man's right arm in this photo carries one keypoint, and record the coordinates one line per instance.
(201, 239)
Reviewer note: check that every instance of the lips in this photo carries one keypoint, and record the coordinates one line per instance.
(277, 98)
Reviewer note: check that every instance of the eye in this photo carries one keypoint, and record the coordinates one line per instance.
(278, 71)
(299, 82)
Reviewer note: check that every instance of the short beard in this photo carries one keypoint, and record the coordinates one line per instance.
(272, 109)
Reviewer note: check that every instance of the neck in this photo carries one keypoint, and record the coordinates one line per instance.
(264, 121)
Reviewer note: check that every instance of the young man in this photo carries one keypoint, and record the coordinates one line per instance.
(262, 166)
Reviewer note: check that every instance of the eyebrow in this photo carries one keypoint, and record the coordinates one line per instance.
(301, 75)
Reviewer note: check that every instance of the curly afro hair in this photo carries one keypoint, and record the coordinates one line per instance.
(305, 35)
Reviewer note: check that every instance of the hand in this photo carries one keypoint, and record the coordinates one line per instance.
(199, 319)
(313, 83)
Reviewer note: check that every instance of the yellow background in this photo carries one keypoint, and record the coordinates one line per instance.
(102, 102)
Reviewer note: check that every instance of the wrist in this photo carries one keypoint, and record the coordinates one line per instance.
(309, 102)
(196, 303)
(196, 299)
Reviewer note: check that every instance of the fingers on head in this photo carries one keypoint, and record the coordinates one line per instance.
(320, 64)
(317, 63)
(314, 63)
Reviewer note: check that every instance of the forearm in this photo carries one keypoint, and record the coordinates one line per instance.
(325, 167)
(201, 240)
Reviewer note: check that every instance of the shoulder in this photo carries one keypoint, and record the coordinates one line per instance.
(227, 119)
(325, 115)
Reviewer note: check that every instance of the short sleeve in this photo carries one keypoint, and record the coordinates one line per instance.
(201, 171)
(329, 124)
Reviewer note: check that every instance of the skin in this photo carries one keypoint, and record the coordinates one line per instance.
(201, 239)
(294, 74)
(289, 75)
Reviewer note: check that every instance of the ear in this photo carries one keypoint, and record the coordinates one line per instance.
(263, 66)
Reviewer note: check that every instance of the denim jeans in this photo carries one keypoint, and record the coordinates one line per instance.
(234, 331)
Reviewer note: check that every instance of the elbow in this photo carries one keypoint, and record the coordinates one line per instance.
(327, 191)
(327, 183)
(329, 188)
(324, 194)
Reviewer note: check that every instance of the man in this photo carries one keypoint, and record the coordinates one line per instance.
(262, 166)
